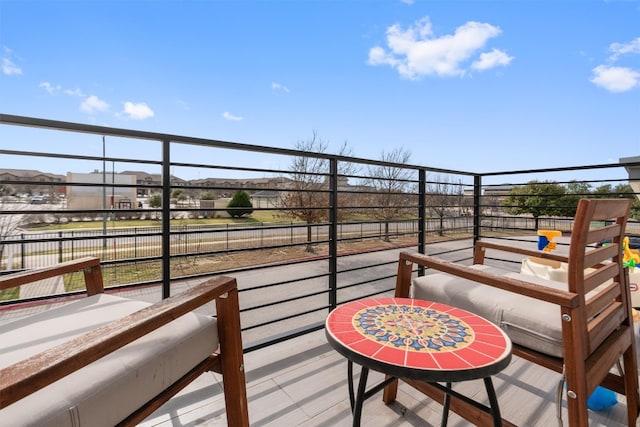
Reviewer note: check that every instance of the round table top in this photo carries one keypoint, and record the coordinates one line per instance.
(418, 339)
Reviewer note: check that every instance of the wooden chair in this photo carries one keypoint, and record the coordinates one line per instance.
(29, 385)
(592, 312)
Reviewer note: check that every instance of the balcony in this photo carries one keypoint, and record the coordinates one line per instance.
(291, 271)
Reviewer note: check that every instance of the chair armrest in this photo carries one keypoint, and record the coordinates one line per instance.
(29, 375)
(482, 245)
(522, 287)
(90, 266)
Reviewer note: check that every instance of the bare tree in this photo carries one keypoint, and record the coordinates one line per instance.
(8, 223)
(307, 197)
(390, 184)
(445, 198)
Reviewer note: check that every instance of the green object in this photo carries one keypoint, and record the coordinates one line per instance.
(240, 199)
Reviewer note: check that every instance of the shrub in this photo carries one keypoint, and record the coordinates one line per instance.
(155, 201)
(240, 199)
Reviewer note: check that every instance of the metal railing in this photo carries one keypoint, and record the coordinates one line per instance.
(336, 224)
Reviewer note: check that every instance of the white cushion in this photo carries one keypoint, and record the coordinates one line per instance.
(550, 270)
(106, 391)
(529, 322)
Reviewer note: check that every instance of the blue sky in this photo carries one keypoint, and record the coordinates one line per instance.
(467, 85)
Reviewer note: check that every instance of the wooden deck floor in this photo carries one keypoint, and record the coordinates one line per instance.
(302, 382)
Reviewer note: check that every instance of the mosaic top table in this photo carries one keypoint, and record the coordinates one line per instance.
(420, 340)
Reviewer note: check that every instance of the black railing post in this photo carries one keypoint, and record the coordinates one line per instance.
(333, 233)
(166, 221)
(22, 251)
(477, 190)
(60, 246)
(422, 209)
(422, 214)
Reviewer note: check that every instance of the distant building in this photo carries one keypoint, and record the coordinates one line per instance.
(225, 187)
(149, 183)
(265, 199)
(121, 195)
(32, 182)
(501, 191)
(634, 173)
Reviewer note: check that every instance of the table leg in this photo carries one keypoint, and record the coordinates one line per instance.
(445, 406)
(352, 399)
(360, 397)
(493, 402)
(493, 410)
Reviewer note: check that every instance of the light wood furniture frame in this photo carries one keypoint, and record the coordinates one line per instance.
(597, 330)
(25, 377)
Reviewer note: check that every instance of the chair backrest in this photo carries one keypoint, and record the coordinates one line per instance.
(597, 275)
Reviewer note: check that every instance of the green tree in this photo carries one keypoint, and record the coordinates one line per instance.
(621, 190)
(575, 190)
(240, 204)
(545, 198)
(155, 201)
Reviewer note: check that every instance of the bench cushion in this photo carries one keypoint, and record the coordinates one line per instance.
(529, 322)
(110, 389)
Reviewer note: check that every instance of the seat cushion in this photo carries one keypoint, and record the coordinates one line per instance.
(528, 322)
(106, 391)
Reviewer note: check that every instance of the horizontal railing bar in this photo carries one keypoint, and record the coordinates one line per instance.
(280, 319)
(294, 333)
(79, 157)
(284, 301)
(109, 131)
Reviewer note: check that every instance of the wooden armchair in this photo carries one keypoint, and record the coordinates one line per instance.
(582, 328)
(108, 360)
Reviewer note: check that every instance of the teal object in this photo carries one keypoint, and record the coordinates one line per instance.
(601, 399)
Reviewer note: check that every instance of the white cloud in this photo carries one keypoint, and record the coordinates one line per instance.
(137, 111)
(491, 59)
(94, 104)
(228, 116)
(52, 90)
(407, 1)
(417, 52)
(278, 86)
(618, 49)
(9, 68)
(74, 92)
(615, 79)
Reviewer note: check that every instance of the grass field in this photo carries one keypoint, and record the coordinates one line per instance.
(256, 217)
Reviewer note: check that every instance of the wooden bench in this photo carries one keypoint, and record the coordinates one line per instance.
(581, 328)
(108, 360)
